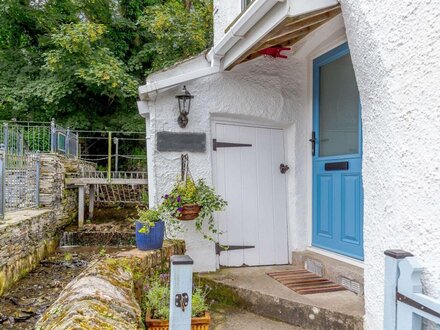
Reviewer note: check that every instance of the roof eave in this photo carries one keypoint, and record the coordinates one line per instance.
(252, 26)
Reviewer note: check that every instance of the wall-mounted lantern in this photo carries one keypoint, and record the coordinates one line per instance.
(184, 100)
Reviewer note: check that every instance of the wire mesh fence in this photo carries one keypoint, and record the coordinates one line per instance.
(20, 137)
(19, 181)
(119, 156)
(20, 145)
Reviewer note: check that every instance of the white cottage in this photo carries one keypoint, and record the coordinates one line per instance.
(333, 151)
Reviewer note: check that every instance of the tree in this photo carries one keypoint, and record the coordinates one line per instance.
(81, 61)
(179, 30)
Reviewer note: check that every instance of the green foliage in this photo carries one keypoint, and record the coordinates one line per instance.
(177, 31)
(156, 298)
(79, 55)
(81, 61)
(191, 192)
(148, 218)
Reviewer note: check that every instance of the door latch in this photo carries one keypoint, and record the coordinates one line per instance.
(181, 300)
(284, 168)
(313, 140)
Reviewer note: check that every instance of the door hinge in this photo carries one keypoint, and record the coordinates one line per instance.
(220, 247)
(216, 144)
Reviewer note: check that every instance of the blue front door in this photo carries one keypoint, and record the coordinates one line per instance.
(337, 159)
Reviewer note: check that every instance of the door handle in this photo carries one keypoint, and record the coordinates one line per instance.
(313, 140)
(284, 168)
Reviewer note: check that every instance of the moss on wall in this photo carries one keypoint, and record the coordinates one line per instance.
(105, 295)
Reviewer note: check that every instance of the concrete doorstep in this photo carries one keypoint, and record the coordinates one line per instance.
(252, 289)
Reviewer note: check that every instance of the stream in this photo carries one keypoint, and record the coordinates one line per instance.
(23, 304)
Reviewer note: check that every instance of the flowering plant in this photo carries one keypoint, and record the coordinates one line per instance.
(199, 193)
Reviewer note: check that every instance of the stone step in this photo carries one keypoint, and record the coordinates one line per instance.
(252, 289)
(345, 274)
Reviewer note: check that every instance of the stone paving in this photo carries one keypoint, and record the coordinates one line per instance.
(227, 318)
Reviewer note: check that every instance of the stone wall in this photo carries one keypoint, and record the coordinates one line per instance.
(28, 236)
(53, 193)
(104, 295)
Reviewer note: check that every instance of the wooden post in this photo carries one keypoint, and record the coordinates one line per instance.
(392, 260)
(81, 192)
(181, 292)
(91, 200)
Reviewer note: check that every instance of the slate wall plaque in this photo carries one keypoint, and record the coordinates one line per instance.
(171, 141)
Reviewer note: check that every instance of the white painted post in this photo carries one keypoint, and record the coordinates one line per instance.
(407, 319)
(392, 259)
(91, 200)
(409, 283)
(181, 292)
(81, 192)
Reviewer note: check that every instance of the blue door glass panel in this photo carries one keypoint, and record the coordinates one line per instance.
(337, 194)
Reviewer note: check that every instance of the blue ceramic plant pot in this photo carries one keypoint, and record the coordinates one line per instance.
(153, 239)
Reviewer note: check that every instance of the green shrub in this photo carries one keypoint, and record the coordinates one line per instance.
(148, 218)
(156, 299)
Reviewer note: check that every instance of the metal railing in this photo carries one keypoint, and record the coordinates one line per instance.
(20, 137)
(19, 181)
(114, 175)
(406, 307)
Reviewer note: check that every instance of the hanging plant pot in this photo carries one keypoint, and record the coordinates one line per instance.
(197, 323)
(189, 212)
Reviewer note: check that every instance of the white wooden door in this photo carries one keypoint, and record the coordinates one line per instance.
(249, 178)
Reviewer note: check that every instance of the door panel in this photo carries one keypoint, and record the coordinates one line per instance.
(350, 208)
(250, 180)
(325, 213)
(337, 179)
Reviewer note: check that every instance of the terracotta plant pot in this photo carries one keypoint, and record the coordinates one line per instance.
(189, 212)
(197, 323)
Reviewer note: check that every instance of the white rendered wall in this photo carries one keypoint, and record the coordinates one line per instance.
(237, 94)
(266, 90)
(225, 11)
(395, 46)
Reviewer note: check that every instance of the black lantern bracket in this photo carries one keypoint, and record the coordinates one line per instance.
(184, 102)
